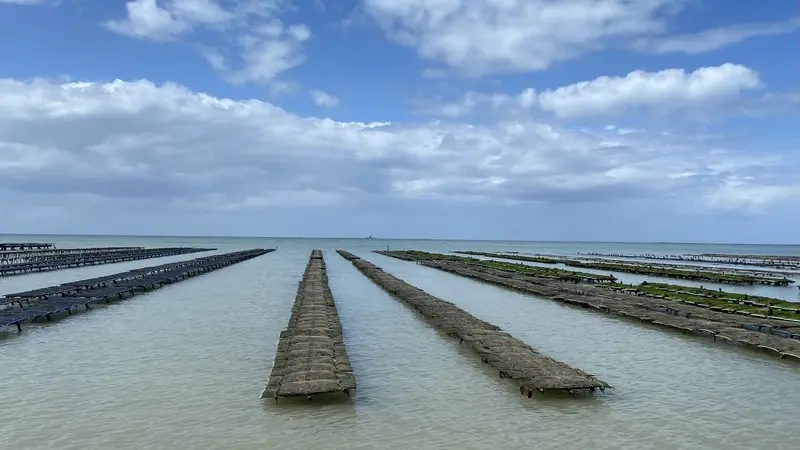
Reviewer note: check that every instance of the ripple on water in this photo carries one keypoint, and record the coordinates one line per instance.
(182, 367)
(693, 390)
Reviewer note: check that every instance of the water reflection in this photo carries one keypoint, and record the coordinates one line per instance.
(182, 367)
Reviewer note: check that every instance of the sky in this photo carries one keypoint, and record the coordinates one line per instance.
(587, 120)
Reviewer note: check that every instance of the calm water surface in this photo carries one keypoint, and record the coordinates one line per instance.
(182, 367)
(789, 293)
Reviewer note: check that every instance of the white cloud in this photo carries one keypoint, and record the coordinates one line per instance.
(268, 50)
(667, 91)
(716, 38)
(322, 98)
(468, 102)
(200, 12)
(741, 194)
(264, 46)
(147, 19)
(136, 141)
(479, 37)
(491, 36)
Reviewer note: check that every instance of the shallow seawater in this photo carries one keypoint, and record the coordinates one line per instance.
(789, 293)
(182, 367)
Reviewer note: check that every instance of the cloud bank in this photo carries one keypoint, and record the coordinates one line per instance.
(165, 145)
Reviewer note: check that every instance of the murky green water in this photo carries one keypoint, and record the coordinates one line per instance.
(182, 367)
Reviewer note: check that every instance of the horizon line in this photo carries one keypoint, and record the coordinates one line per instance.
(400, 239)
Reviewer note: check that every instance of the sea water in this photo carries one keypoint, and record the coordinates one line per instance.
(183, 366)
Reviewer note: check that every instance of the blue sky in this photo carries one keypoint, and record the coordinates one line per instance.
(611, 120)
